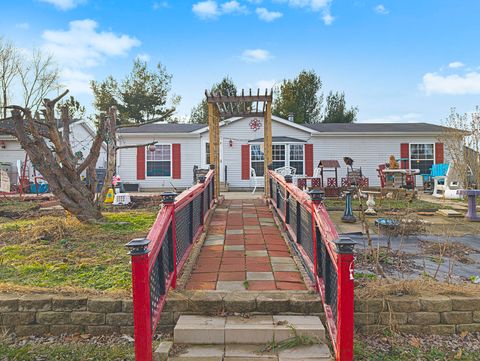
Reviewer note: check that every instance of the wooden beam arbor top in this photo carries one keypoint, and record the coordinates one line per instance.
(240, 105)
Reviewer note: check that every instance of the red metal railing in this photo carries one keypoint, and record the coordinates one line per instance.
(157, 259)
(328, 258)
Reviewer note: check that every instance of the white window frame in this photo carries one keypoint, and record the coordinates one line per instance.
(410, 153)
(287, 154)
(171, 163)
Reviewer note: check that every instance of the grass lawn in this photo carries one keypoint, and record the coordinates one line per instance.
(386, 204)
(59, 253)
(409, 349)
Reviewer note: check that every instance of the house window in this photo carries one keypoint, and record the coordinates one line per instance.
(422, 157)
(159, 162)
(256, 159)
(296, 157)
(283, 155)
(207, 153)
(278, 155)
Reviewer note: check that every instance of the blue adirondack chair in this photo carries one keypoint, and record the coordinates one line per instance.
(437, 170)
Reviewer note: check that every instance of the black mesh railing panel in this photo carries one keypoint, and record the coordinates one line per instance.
(273, 191)
(320, 253)
(292, 206)
(306, 231)
(162, 268)
(206, 203)
(281, 198)
(197, 213)
(183, 224)
(331, 285)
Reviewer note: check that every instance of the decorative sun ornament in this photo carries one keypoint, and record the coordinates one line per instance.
(255, 124)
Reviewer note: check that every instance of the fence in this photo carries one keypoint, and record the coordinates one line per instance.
(157, 259)
(327, 258)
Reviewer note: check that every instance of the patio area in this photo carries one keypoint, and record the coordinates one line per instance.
(245, 250)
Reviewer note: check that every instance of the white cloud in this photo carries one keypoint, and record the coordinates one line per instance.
(328, 18)
(76, 81)
(268, 16)
(456, 65)
(83, 46)
(232, 7)
(23, 26)
(381, 9)
(255, 55)
(322, 6)
(144, 57)
(160, 5)
(255, 1)
(64, 4)
(434, 83)
(206, 9)
(265, 84)
(404, 118)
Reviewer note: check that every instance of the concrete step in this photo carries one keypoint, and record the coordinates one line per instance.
(240, 352)
(198, 330)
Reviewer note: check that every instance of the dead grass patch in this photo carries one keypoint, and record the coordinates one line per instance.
(419, 287)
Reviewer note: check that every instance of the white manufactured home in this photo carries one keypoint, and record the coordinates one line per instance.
(12, 156)
(181, 147)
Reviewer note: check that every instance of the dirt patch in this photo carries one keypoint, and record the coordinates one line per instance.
(455, 250)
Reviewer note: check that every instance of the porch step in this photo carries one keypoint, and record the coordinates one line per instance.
(235, 338)
(200, 330)
(318, 352)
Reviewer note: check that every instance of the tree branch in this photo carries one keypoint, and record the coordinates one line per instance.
(135, 145)
(94, 153)
(165, 115)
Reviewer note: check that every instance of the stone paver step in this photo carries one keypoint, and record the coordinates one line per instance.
(256, 329)
(244, 352)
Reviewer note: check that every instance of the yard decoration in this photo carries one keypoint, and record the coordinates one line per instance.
(348, 216)
(255, 124)
(46, 141)
(472, 203)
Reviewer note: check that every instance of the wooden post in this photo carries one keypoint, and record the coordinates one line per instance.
(214, 135)
(267, 145)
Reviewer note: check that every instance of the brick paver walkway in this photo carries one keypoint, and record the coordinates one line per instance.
(244, 250)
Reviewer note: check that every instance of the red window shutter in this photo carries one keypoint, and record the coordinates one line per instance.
(245, 161)
(439, 158)
(405, 153)
(309, 160)
(177, 161)
(140, 163)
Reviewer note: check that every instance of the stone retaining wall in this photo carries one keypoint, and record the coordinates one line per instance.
(428, 315)
(44, 314)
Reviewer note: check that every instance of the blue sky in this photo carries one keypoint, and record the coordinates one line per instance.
(398, 61)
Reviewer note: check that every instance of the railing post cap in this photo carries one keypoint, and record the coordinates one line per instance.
(212, 166)
(201, 179)
(288, 178)
(168, 197)
(317, 195)
(138, 246)
(345, 245)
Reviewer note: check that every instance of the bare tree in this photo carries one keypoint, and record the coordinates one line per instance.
(38, 76)
(8, 70)
(461, 138)
(47, 143)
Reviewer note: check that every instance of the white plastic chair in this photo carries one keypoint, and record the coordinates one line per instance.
(449, 187)
(253, 175)
(286, 171)
(121, 199)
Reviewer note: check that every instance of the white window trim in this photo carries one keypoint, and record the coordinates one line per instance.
(287, 154)
(171, 164)
(410, 153)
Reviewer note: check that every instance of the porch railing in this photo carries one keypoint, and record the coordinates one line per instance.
(328, 258)
(157, 259)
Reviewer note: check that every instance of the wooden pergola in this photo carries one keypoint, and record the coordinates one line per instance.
(221, 106)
